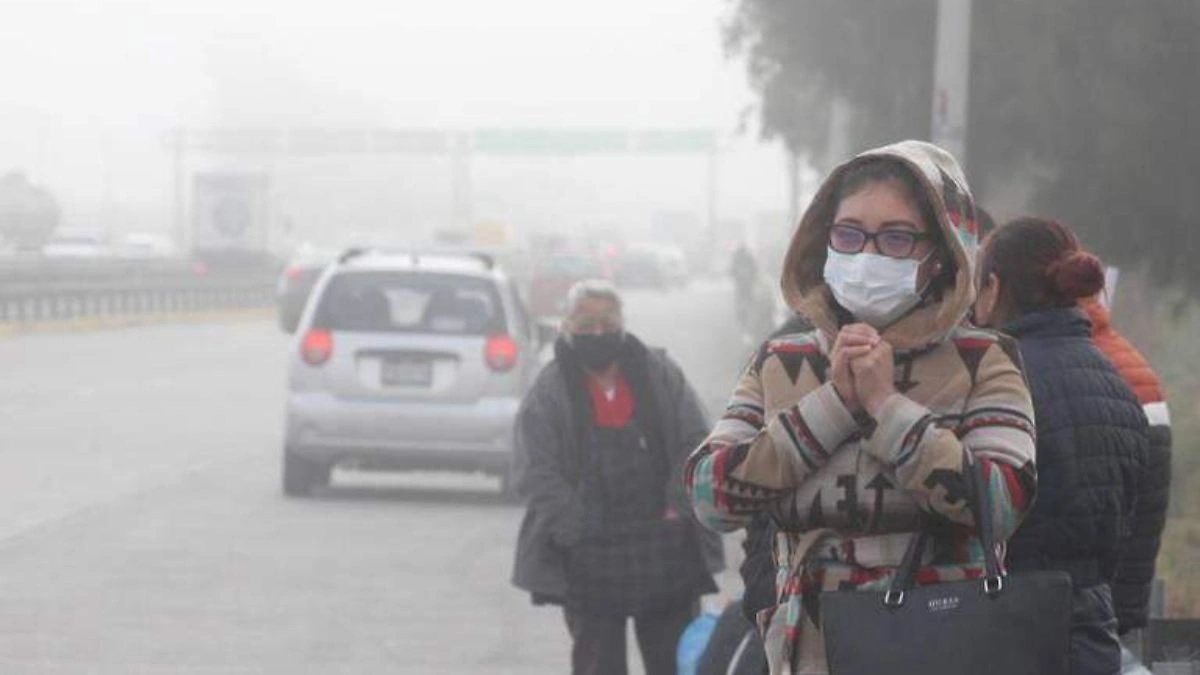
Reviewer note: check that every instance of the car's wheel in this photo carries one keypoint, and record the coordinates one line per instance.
(302, 475)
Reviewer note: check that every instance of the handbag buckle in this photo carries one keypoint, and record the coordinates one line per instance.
(992, 586)
(893, 599)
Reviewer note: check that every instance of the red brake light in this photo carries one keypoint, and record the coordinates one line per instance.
(317, 347)
(293, 273)
(500, 353)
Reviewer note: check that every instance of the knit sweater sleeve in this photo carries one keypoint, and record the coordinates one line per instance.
(931, 455)
(751, 459)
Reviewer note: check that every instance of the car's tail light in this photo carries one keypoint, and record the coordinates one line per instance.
(500, 353)
(317, 347)
(293, 273)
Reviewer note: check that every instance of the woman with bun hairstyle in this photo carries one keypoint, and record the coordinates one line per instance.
(1092, 438)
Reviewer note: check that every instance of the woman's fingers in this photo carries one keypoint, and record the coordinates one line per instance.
(862, 325)
(856, 334)
(861, 329)
(853, 342)
(851, 352)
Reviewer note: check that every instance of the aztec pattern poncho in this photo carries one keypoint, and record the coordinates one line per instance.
(788, 446)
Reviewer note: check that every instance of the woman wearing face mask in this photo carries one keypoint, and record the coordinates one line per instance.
(1092, 438)
(600, 439)
(845, 435)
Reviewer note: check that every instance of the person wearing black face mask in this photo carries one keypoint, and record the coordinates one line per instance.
(597, 351)
(600, 442)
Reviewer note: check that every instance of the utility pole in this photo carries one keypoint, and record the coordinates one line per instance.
(179, 141)
(711, 195)
(951, 77)
(841, 115)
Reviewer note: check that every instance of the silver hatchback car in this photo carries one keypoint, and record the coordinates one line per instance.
(407, 361)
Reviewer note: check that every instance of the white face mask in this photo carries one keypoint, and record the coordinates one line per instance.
(874, 288)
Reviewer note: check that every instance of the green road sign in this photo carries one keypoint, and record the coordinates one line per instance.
(498, 141)
(591, 141)
(548, 142)
(684, 141)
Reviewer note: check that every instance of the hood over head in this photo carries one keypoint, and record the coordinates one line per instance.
(939, 174)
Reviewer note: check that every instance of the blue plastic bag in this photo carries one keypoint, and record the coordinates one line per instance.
(693, 641)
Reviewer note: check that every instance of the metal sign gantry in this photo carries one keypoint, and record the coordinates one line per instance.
(460, 146)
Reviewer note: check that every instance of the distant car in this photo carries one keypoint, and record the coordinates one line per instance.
(82, 245)
(554, 275)
(675, 265)
(296, 282)
(659, 267)
(147, 246)
(407, 361)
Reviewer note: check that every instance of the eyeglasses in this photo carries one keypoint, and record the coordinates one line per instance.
(891, 243)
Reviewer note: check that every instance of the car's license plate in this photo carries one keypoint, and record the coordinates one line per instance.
(406, 373)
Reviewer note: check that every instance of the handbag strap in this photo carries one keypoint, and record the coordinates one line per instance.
(807, 543)
(980, 505)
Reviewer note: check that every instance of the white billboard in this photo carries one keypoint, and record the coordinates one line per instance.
(229, 212)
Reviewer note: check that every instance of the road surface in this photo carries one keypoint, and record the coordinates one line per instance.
(142, 528)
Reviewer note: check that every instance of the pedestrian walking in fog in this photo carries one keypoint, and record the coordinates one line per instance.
(601, 438)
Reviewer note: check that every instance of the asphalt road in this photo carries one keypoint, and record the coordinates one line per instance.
(142, 529)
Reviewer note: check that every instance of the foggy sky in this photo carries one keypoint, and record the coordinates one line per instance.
(93, 88)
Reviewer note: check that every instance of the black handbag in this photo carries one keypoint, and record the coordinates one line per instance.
(1003, 624)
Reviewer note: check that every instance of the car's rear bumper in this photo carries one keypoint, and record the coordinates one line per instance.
(407, 459)
(473, 436)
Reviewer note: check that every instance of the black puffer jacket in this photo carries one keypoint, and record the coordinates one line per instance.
(1135, 575)
(1092, 448)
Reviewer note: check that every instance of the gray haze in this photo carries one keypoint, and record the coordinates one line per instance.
(93, 90)
(150, 521)
(232, 444)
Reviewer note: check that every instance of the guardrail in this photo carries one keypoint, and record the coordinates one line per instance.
(31, 305)
(39, 290)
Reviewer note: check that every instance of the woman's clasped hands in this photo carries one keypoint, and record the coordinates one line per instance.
(863, 368)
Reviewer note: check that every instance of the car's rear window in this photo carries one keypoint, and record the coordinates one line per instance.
(570, 266)
(406, 302)
(640, 258)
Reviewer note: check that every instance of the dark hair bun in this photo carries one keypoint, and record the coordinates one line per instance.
(1078, 274)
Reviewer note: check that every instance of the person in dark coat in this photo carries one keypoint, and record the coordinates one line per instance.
(1135, 573)
(600, 441)
(1092, 441)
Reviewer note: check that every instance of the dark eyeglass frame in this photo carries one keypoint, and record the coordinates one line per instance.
(869, 237)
